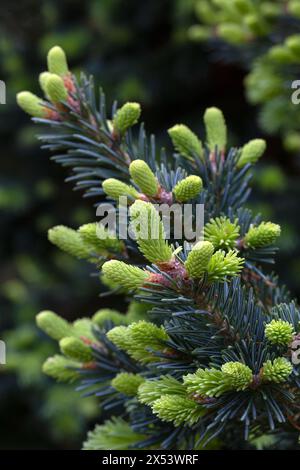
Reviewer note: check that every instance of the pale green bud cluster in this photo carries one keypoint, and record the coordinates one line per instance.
(124, 275)
(70, 241)
(100, 238)
(214, 382)
(178, 410)
(31, 104)
(109, 315)
(216, 131)
(276, 371)
(251, 152)
(185, 141)
(152, 390)
(144, 177)
(53, 325)
(139, 340)
(75, 349)
(198, 259)
(126, 117)
(61, 369)
(222, 264)
(55, 88)
(264, 234)
(188, 188)
(57, 61)
(222, 233)
(149, 232)
(127, 383)
(116, 189)
(279, 332)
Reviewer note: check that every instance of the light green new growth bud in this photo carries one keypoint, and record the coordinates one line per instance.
(216, 132)
(233, 33)
(139, 340)
(214, 382)
(43, 77)
(127, 383)
(221, 232)
(100, 238)
(126, 117)
(149, 232)
(115, 189)
(31, 104)
(82, 327)
(293, 43)
(57, 61)
(188, 188)
(124, 275)
(265, 234)
(152, 390)
(106, 314)
(178, 410)
(75, 349)
(61, 369)
(56, 89)
(279, 332)
(276, 371)
(251, 152)
(53, 325)
(223, 264)
(185, 141)
(70, 241)
(144, 177)
(198, 259)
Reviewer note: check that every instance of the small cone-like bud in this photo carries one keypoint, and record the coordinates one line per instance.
(99, 237)
(126, 117)
(53, 325)
(185, 141)
(239, 375)
(281, 54)
(56, 89)
(144, 177)
(127, 383)
(70, 241)
(116, 189)
(277, 371)
(57, 61)
(293, 43)
(232, 33)
(61, 369)
(75, 349)
(124, 275)
(265, 234)
(120, 336)
(279, 332)
(149, 232)
(198, 259)
(178, 410)
(251, 152)
(43, 77)
(216, 132)
(188, 188)
(106, 314)
(31, 104)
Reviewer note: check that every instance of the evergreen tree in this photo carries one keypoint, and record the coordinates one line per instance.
(204, 356)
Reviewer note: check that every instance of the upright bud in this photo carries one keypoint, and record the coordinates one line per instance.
(70, 241)
(61, 369)
(188, 188)
(75, 349)
(216, 132)
(251, 152)
(53, 325)
(56, 89)
(144, 177)
(279, 332)
(43, 77)
(277, 371)
(115, 189)
(198, 259)
(265, 234)
(239, 375)
(126, 117)
(57, 61)
(124, 275)
(185, 141)
(31, 104)
(127, 383)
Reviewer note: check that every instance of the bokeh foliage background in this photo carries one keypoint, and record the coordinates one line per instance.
(137, 51)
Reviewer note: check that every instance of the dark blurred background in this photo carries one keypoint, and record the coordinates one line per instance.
(137, 51)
